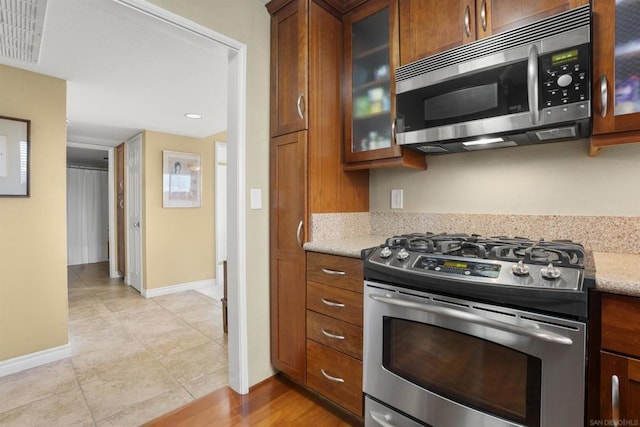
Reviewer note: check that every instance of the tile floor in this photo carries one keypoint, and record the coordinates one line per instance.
(133, 359)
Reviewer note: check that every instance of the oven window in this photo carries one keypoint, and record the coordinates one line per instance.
(471, 371)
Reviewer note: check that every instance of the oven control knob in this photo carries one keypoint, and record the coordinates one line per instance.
(550, 272)
(520, 269)
(403, 254)
(385, 252)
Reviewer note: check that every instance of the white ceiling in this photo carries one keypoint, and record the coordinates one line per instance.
(126, 72)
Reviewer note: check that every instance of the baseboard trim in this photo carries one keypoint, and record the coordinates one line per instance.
(166, 290)
(32, 360)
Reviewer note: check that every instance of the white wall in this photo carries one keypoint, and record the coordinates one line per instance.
(555, 178)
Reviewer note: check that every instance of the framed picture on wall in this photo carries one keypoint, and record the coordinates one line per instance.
(14, 157)
(181, 180)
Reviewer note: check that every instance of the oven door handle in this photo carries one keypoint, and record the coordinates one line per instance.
(474, 318)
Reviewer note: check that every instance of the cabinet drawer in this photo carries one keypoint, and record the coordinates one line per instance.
(335, 375)
(621, 324)
(334, 333)
(339, 271)
(335, 302)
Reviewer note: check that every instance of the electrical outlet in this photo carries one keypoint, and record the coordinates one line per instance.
(397, 199)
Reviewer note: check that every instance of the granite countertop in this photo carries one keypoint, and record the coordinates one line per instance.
(350, 247)
(615, 273)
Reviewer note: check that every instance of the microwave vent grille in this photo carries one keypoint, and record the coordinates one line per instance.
(531, 33)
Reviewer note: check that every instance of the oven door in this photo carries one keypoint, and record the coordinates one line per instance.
(445, 361)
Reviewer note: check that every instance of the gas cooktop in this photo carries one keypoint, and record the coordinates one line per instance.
(545, 276)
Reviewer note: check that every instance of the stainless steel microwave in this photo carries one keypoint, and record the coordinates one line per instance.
(524, 86)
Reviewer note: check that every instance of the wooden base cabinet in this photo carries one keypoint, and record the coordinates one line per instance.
(287, 272)
(334, 329)
(619, 389)
(620, 361)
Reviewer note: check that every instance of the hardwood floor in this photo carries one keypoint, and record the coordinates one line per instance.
(275, 401)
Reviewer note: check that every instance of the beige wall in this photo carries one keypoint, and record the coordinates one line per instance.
(248, 22)
(555, 178)
(179, 244)
(33, 240)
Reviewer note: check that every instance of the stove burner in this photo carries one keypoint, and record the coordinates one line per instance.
(563, 253)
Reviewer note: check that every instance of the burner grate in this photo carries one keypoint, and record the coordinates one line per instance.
(565, 253)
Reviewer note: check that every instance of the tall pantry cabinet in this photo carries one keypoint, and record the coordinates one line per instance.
(306, 173)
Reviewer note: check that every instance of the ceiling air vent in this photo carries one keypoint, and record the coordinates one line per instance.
(21, 23)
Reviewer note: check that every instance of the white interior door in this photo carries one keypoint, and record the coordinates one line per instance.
(134, 212)
(221, 214)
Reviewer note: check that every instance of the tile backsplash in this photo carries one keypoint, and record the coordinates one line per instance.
(617, 234)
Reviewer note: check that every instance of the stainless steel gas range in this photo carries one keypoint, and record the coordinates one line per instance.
(464, 330)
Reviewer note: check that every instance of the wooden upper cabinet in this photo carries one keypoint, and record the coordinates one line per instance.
(431, 26)
(370, 58)
(496, 16)
(289, 59)
(616, 73)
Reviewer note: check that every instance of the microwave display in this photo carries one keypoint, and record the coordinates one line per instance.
(561, 58)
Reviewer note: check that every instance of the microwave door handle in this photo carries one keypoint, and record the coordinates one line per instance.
(474, 318)
(532, 84)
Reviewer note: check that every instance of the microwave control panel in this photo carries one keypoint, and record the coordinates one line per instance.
(564, 76)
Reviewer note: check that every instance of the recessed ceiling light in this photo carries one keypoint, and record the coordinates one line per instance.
(193, 116)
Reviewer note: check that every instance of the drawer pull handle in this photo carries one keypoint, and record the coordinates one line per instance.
(333, 272)
(330, 378)
(330, 335)
(381, 419)
(331, 303)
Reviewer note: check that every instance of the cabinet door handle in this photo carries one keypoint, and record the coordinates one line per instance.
(299, 234)
(330, 378)
(331, 303)
(333, 272)
(467, 21)
(299, 106)
(615, 400)
(393, 131)
(604, 93)
(483, 15)
(330, 335)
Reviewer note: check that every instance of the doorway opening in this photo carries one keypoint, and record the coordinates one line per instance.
(90, 217)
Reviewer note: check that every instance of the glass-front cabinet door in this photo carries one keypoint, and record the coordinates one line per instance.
(616, 75)
(371, 55)
(370, 79)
